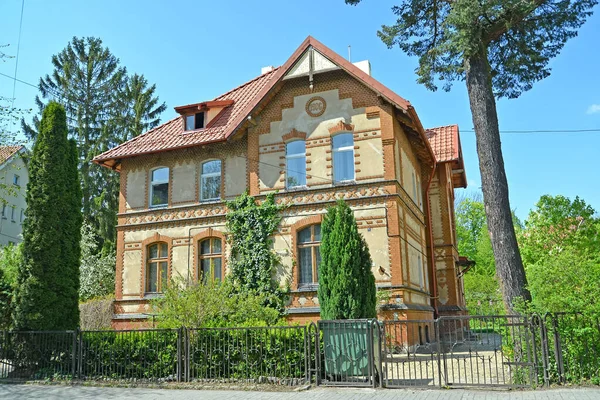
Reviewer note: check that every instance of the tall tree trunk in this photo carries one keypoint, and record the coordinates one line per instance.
(509, 266)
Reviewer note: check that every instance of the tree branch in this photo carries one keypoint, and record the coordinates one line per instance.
(509, 17)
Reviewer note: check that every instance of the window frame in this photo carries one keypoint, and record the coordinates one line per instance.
(161, 182)
(313, 245)
(211, 175)
(295, 156)
(339, 150)
(187, 128)
(16, 180)
(210, 256)
(158, 260)
(12, 214)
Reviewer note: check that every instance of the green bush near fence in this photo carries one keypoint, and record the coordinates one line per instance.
(249, 353)
(130, 354)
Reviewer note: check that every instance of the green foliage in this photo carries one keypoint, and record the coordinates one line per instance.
(97, 269)
(147, 355)
(346, 283)
(252, 262)
(96, 314)
(48, 277)
(482, 291)
(560, 245)
(212, 304)
(105, 107)
(10, 259)
(520, 37)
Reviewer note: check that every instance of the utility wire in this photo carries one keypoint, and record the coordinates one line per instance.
(545, 130)
(18, 50)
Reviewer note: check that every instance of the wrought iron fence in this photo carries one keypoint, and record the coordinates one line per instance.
(449, 351)
(266, 354)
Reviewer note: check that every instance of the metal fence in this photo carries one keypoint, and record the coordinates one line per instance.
(501, 351)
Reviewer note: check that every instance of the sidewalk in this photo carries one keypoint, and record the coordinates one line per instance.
(87, 392)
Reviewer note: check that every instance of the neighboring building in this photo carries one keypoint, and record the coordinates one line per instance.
(13, 178)
(314, 130)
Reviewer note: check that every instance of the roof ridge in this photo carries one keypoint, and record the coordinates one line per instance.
(441, 126)
(247, 83)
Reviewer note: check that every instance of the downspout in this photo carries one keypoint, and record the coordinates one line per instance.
(431, 246)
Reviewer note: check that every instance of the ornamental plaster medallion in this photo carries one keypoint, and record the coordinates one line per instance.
(315, 106)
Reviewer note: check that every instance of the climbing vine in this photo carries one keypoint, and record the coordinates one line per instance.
(252, 262)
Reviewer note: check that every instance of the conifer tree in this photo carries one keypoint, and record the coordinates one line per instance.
(48, 278)
(499, 49)
(346, 282)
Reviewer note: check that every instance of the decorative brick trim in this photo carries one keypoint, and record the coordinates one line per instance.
(205, 234)
(311, 112)
(157, 237)
(298, 226)
(372, 112)
(293, 134)
(341, 126)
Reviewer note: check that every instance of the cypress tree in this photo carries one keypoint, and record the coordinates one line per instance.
(48, 278)
(346, 282)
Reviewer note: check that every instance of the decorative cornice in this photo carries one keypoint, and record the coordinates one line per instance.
(294, 134)
(341, 126)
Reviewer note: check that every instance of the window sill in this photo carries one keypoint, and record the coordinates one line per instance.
(158, 207)
(344, 183)
(297, 188)
(152, 295)
(210, 201)
(306, 288)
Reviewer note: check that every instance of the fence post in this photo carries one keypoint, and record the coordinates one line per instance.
(179, 340)
(558, 349)
(436, 324)
(74, 353)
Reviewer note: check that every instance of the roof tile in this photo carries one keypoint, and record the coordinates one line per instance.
(7, 152)
(444, 142)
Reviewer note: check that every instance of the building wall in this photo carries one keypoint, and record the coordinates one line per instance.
(11, 223)
(386, 197)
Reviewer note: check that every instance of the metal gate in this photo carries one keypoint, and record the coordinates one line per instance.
(500, 351)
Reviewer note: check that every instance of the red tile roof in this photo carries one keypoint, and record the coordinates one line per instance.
(444, 142)
(170, 135)
(247, 98)
(7, 152)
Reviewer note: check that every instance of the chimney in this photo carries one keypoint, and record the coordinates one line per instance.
(264, 70)
(364, 65)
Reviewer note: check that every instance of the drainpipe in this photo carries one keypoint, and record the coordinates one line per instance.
(431, 248)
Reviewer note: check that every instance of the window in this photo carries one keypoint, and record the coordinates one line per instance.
(343, 157)
(210, 180)
(17, 180)
(22, 215)
(4, 211)
(12, 214)
(159, 188)
(157, 267)
(211, 259)
(309, 255)
(195, 121)
(295, 157)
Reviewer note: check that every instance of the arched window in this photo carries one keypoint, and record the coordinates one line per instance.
(309, 255)
(210, 258)
(295, 157)
(157, 267)
(343, 157)
(159, 187)
(210, 181)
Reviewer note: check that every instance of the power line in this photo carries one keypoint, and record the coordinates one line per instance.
(545, 130)
(18, 50)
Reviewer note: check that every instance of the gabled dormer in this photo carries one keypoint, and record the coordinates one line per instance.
(200, 115)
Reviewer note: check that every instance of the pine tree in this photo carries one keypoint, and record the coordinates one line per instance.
(346, 282)
(48, 278)
(105, 107)
(499, 48)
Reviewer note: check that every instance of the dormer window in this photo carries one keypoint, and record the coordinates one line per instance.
(194, 121)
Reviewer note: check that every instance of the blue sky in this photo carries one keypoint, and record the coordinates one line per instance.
(195, 50)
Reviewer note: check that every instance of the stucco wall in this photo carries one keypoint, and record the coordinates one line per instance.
(11, 224)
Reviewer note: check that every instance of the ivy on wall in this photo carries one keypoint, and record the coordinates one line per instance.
(252, 261)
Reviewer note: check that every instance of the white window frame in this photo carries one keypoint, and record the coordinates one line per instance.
(295, 156)
(210, 175)
(153, 183)
(335, 151)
